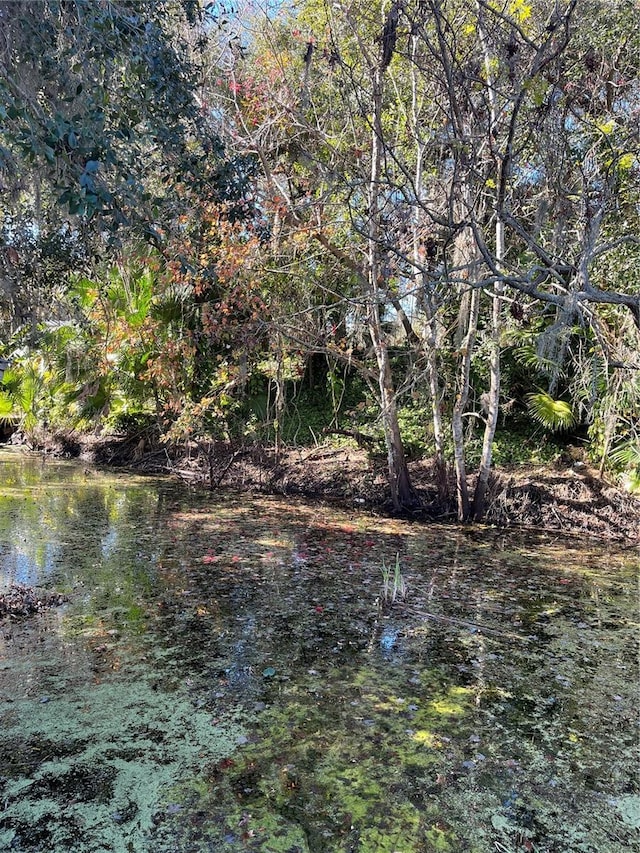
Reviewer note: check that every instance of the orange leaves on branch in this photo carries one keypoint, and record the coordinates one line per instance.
(237, 316)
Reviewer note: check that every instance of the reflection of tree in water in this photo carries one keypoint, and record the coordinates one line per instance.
(498, 695)
(78, 529)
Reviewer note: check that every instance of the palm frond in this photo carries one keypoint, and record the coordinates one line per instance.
(626, 455)
(6, 407)
(552, 414)
(527, 356)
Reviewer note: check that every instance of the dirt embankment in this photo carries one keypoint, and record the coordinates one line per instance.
(568, 497)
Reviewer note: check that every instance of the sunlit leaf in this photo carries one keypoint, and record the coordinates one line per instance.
(552, 414)
(626, 454)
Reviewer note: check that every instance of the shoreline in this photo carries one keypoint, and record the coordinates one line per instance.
(566, 498)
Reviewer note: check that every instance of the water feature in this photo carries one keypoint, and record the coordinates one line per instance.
(234, 674)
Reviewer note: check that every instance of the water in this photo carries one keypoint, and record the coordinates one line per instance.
(232, 674)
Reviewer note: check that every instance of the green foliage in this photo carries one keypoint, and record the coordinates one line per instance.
(552, 414)
(43, 253)
(526, 354)
(6, 408)
(110, 136)
(626, 456)
(515, 447)
(130, 422)
(415, 420)
(119, 81)
(310, 411)
(631, 481)
(26, 391)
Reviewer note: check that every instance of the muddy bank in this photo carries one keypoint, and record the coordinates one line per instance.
(569, 497)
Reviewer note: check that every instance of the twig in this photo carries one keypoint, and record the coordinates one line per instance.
(506, 634)
(146, 458)
(226, 467)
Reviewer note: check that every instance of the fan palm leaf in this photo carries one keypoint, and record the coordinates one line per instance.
(552, 414)
(626, 455)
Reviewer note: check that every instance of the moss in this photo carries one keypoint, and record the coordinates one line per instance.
(266, 831)
(429, 739)
(399, 830)
(454, 704)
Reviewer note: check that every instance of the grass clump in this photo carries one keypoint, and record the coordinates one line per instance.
(394, 585)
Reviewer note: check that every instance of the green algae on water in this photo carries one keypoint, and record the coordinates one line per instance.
(494, 709)
(101, 763)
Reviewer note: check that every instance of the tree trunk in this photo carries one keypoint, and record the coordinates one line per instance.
(280, 403)
(460, 404)
(465, 265)
(493, 404)
(440, 465)
(493, 407)
(430, 339)
(402, 494)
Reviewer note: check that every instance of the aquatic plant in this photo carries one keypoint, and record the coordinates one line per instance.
(103, 762)
(394, 585)
(252, 702)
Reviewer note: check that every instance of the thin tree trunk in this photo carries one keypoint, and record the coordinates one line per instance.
(280, 402)
(465, 264)
(402, 493)
(460, 404)
(491, 422)
(440, 465)
(430, 339)
(493, 407)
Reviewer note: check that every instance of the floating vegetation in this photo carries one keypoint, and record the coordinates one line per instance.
(20, 600)
(86, 769)
(255, 700)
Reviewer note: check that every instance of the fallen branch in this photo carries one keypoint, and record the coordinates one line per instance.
(507, 635)
(226, 468)
(363, 441)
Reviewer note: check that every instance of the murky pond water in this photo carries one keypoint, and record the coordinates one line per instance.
(234, 675)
